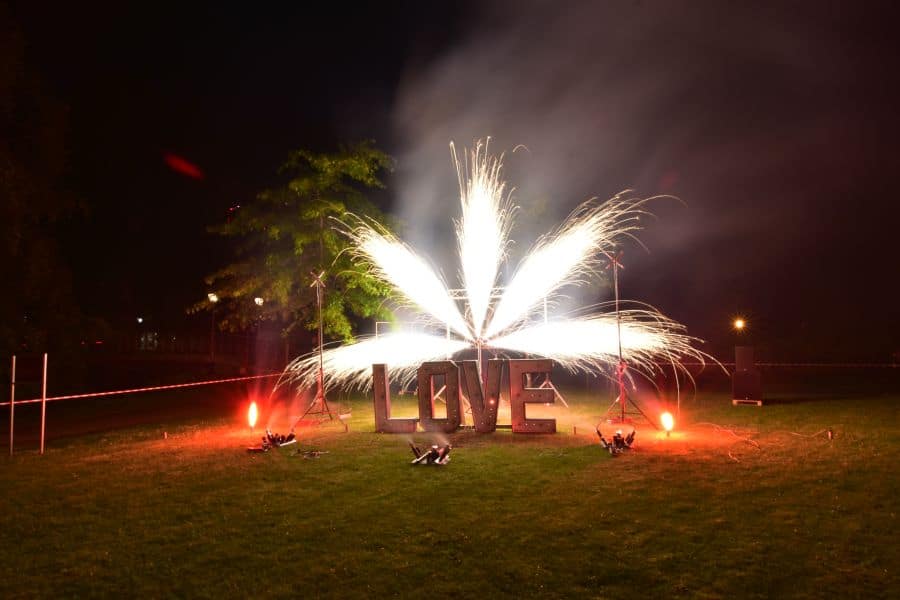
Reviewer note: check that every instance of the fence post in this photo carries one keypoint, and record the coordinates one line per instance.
(43, 402)
(12, 403)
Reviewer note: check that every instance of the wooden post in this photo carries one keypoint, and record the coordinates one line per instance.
(12, 403)
(43, 402)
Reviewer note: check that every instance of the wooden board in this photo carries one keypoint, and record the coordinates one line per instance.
(737, 401)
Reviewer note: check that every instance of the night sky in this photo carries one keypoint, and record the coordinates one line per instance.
(777, 126)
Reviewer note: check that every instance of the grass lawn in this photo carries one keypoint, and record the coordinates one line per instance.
(705, 513)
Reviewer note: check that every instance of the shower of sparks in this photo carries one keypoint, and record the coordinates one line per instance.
(483, 229)
(351, 364)
(394, 262)
(590, 343)
(564, 257)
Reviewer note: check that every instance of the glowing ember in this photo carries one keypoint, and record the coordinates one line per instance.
(252, 414)
(511, 322)
(667, 420)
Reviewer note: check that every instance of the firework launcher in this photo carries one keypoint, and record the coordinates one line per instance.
(619, 443)
(437, 456)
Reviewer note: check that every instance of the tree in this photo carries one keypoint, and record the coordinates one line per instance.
(38, 312)
(289, 234)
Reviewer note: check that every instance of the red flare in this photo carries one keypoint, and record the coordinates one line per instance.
(185, 167)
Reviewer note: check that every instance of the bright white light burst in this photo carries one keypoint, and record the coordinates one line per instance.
(511, 322)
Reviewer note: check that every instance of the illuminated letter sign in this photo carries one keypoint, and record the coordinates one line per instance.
(426, 374)
(383, 421)
(519, 396)
(484, 400)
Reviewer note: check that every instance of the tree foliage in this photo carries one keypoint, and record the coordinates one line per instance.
(38, 311)
(288, 234)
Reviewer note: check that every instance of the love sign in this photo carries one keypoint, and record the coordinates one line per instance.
(462, 379)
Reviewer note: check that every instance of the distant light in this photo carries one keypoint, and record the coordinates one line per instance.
(252, 413)
(259, 301)
(212, 297)
(668, 421)
(140, 319)
(739, 324)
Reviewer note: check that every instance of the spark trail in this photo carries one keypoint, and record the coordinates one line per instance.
(566, 256)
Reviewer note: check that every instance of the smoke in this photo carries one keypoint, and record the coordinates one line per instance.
(749, 114)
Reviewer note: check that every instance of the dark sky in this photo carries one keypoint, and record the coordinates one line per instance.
(777, 126)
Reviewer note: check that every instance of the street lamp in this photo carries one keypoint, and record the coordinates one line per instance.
(213, 299)
(739, 324)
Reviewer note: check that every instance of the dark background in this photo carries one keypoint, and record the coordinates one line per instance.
(776, 126)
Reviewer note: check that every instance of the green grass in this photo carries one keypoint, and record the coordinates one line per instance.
(701, 515)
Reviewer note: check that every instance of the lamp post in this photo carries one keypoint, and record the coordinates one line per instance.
(213, 299)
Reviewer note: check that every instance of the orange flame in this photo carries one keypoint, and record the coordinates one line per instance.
(668, 421)
(252, 413)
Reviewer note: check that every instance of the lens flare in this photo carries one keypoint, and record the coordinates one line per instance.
(252, 414)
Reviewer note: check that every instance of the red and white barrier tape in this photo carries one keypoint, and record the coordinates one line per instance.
(252, 377)
(146, 389)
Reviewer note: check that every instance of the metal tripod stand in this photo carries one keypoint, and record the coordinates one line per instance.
(319, 406)
(624, 414)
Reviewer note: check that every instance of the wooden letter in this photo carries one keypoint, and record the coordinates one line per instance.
(426, 374)
(484, 402)
(519, 395)
(383, 421)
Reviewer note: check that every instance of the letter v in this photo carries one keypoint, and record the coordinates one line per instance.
(484, 402)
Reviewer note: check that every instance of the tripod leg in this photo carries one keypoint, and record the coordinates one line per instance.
(646, 418)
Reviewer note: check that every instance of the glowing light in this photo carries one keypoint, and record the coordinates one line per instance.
(252, 414)
(352, 364)
(213, 297)
(258, 301)
(590, 343)
(739, 324)
(394, 262)
(667, 420)
(563, 257)
(140, 320)
(483, 229)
